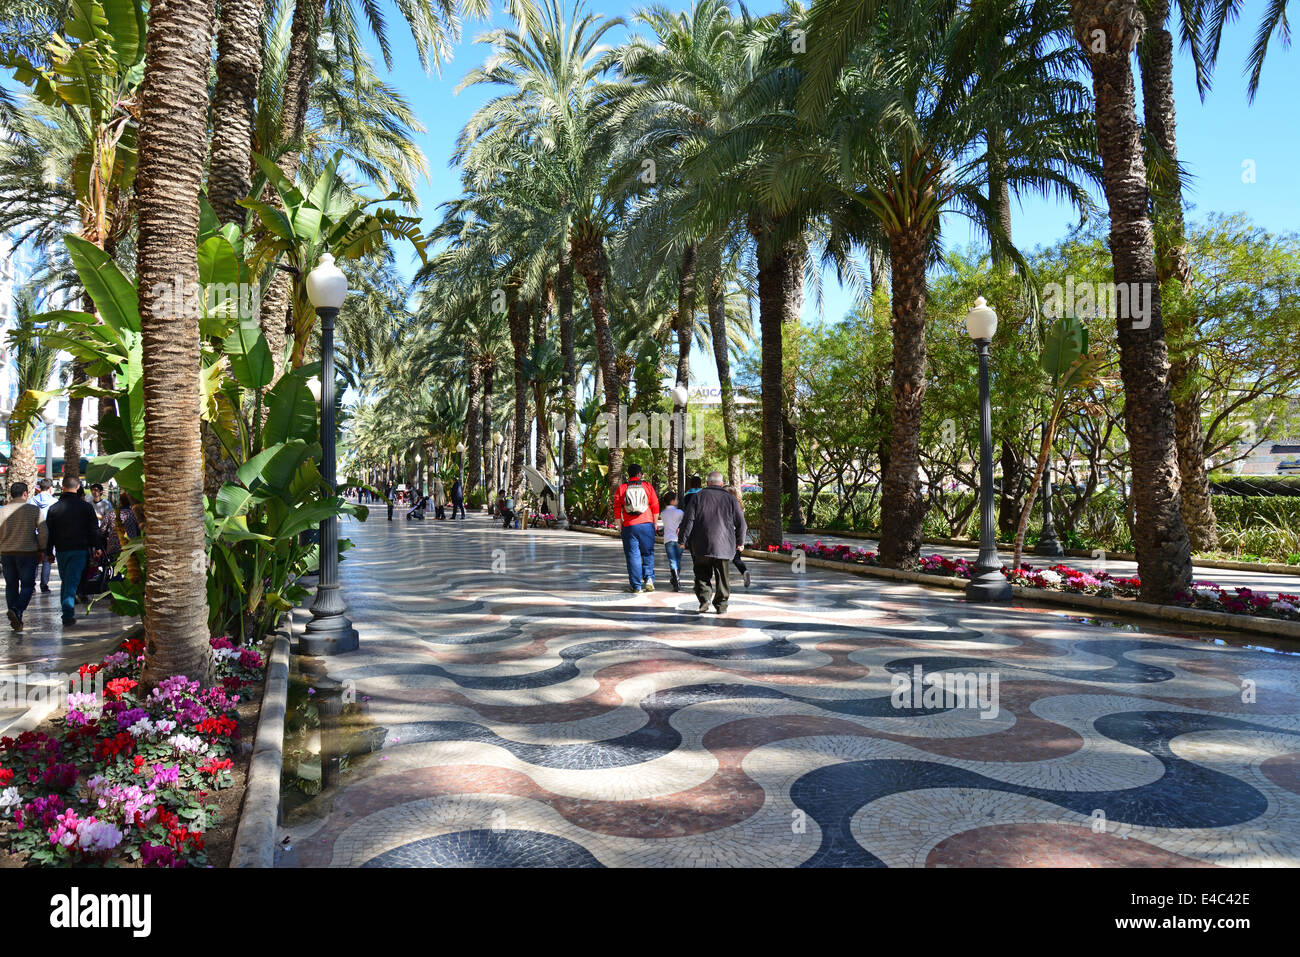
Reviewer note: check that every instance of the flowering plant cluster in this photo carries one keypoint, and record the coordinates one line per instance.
(126, 779)
(1241, 601)
(1207, 595)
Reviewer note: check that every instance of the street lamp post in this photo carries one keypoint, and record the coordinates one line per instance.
(329, 632)
(460, 451)
(557, 422)
(419, 475)
(988, 583)
(681, 395)
(50, 416)
(1047, 542)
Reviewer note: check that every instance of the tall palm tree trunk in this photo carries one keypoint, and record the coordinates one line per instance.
(1156, 58)
(722, 359)
(569, 379)
(303, 31)
(902, 509)
(590, 259)
(1160, 537)
(474, 427)
(542, 438)
(488, 445)
(173, 119)
(780, 285)
(517, 313)
(72, 431)
(684, 326)
(239, 67)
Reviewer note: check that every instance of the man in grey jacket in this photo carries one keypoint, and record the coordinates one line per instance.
(713, 529)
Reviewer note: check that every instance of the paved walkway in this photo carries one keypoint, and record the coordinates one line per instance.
(1226, 577)
(45, 646)
(535, 714)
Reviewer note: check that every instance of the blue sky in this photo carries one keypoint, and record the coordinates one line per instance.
(1217, 139)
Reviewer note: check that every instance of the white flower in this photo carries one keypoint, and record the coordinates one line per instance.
(1049, 576)
(142, 727)
(1207, 593)
(98, 836)
(9, 798)
(225, 654)
(1283, 606)
(188, 743)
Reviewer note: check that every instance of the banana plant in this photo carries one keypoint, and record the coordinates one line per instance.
(1070, 371)
(324, 215)
(93, 76)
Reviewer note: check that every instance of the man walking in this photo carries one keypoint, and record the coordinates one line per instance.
(713, 529)
(44, 498)
(72, 527)
(457, 499)
(22, 546)
(636, 509)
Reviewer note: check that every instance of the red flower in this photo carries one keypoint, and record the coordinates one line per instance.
(220, 726)
(214, 766)
(166, 818)
(138, 761)
(133, 646)
(5, 776)
(120, 686)
(109, 748)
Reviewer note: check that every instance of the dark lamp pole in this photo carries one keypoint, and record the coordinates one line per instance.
(988, 582)
(329, 632)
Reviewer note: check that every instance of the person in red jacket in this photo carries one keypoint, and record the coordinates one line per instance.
(636, 509)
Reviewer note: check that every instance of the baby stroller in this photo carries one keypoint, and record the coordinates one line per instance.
(417, 510)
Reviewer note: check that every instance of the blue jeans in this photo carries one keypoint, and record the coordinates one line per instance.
(72, 564)
(20, 580)
(639, 550)
(674, 550)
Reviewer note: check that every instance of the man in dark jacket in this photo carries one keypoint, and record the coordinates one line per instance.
(457, 499)
(713, 529)
(74, 529)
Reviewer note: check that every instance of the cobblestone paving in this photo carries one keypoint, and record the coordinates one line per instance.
(535, 714)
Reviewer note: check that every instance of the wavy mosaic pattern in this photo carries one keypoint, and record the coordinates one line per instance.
(540, 717)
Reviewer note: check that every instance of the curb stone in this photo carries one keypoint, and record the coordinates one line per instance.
(260, 814)
(1274, 627)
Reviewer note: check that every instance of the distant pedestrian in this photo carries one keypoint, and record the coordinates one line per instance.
(672, 518)
(636, 509)
(713, 529)
(457, 499)
(73, 531)
(44, 498)
(692, 487)
(391, 493)
(22, 546)
(739, 560)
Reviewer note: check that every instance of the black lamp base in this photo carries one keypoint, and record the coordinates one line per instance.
(332, 635)
(989, 587)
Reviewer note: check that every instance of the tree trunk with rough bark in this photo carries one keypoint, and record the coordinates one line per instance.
(303, 31)
(517, 314)
(239, 68)
(1156, 57)
(473, 427)
(1108, 32)
(780, 287)
(569, 381)
(722, 359)
(590, 259)
(684, 326)
(902, 508)
(173, 121)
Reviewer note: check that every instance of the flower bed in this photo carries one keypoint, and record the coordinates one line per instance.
(1063, 578)
(125, 778)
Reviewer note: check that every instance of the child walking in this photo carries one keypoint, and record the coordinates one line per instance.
(672, 516)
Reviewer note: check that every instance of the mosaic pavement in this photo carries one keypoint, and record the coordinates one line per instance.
(534, 714)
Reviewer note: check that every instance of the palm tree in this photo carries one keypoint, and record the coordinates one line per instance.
(173, 118)
(550, 127)
(34, 364)
(1173, 270)
(1108, 33)
(234, 106)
